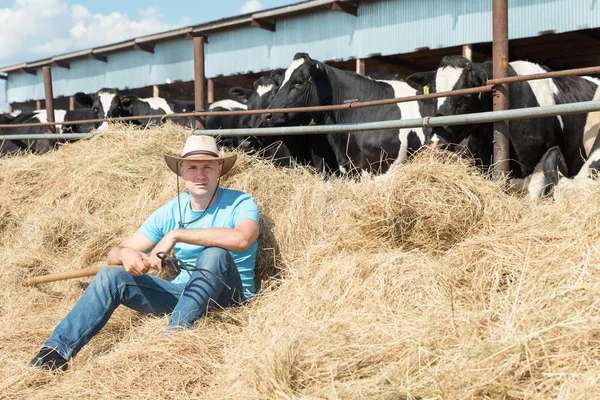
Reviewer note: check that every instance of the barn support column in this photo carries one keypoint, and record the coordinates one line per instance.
(210, 91)
(467, 52)
(38, 104)
(500, 93)
(199, 77)
(49, 97)
(10, 108)
(155, 91)
(360, 66)
(71, 103)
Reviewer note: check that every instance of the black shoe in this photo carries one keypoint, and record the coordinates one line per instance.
(49, 359)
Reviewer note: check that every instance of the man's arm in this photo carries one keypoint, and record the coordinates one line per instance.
(237, 239)
(131, 253)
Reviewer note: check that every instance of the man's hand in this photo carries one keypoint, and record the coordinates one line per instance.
(133, 261)
(166, 245)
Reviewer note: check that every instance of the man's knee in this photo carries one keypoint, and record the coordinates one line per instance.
(111, 277)
(212, 257)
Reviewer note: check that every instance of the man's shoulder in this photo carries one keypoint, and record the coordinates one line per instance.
(233, 194)
(172, 203)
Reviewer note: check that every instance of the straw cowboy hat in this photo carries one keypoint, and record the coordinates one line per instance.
(200, 148)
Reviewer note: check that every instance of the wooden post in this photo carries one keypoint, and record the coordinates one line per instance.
(360, 66)
(155, 91)
(199, 77)
(38, 105)
(49, 97)
(210, 91)
(10, 108)
(467, 52)
(71, 103)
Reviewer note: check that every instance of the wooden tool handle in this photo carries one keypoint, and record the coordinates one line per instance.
(61, 276)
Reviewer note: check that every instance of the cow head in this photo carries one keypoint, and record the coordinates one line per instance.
(264, 91)
(303, 85)
(100, 103)
(454, 72)
(6, 119)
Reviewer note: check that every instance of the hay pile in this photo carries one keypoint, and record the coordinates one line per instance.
(430, 282)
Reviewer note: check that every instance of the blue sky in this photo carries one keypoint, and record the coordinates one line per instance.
(35, 29)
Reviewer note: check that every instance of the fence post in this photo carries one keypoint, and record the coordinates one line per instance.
(210, 91)
(49, 97)
(199, 77)
(360, 66)
(467, 52)
(500, 92)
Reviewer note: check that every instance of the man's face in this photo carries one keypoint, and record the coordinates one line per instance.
(201, 177)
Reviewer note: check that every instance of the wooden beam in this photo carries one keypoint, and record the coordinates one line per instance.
(467, 52)
(149, 48)
(398, 63)
(192, 35)
(263, 24)
(155, 91)
(348, 8)
(210, 91)
(590, 33)
(360, 66)
(31, 71)
(61, 64)
(97, 57)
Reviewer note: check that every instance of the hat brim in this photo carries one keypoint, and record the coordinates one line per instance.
(228, 161)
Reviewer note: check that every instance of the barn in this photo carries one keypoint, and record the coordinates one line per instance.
(380, 38)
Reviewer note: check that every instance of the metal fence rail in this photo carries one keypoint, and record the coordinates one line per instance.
(465, 119)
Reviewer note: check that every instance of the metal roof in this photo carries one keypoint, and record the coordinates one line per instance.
(385, 30)
(187, 32)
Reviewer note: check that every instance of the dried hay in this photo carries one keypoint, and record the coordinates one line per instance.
(428, 282)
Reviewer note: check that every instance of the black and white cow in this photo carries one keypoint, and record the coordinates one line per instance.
(109, 103)
(9, 147)
(271, 147)
(80, 114)
(550, 176)
(39, 146)
(309, 82)
(248, 99)
(530, 138)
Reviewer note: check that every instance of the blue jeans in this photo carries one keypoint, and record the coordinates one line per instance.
(149, 295)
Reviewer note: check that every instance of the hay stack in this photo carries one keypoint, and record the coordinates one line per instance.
(429, 282)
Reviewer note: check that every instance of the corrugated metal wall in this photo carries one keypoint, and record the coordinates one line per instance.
(383, 27)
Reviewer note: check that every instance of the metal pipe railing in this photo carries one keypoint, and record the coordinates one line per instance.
(354, 104)
(465, 119)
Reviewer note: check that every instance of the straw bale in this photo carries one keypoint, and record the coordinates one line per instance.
(429, 282)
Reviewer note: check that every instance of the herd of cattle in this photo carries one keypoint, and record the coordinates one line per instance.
(543, 151)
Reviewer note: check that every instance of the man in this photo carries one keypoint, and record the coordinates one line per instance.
(213, 228)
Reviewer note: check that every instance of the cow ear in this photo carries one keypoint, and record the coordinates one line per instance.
(240, 95)
(421, 80)
(126, 101)
(277, 75)
(316, 70)
(83, 99)
(477, 77)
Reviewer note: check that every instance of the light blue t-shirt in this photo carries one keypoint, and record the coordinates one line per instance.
(230, 207)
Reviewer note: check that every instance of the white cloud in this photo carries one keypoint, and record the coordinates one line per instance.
(250, 6)
(43, 28)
